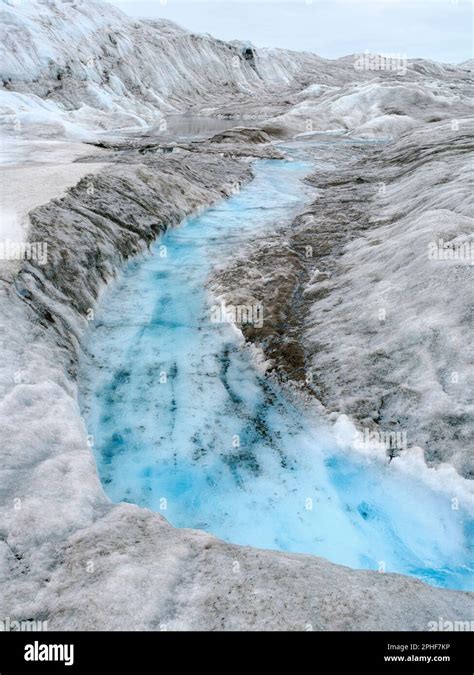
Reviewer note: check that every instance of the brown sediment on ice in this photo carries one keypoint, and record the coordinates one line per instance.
(353, 302)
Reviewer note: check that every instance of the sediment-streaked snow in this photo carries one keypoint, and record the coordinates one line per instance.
(33, 173)
(402, 316)
(378, 109)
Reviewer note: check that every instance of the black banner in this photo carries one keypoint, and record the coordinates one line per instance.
(134, 652)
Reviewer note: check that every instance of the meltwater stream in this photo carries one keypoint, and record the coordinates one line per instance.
(185, 423)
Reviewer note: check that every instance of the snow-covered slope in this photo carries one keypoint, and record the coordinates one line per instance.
(400, 296)
(379, 108)
(76, 68)
(86, 65)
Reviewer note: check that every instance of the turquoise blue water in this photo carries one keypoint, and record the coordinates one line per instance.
(184, 422)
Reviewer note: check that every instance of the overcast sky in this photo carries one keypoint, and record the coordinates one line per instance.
(437, 29)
